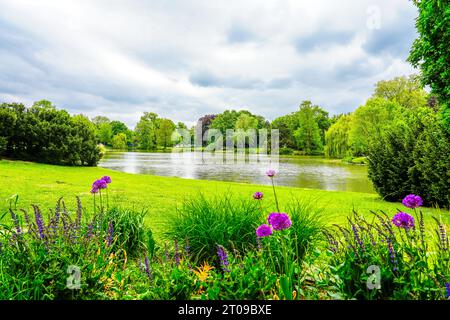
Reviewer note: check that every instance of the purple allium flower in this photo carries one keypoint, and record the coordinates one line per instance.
(176, 254)
(40, 224)
(223, 256)
(403, 220)
(279, 221)
(147, 268)
(270, 173)
(263, 231)
(100, 184)
(107, 179)
(258, 195)
(447, 287)
(94, 190)
(412, 201)
(110, 233)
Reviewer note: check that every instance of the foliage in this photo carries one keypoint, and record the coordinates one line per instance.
(307, 135)
(119, 141)
(337, 141)
(164, 132)
(430, 51)
(37, 253)
(413, 264)
(412, 157)
(207, 222)
(44, 134)
(145, 131)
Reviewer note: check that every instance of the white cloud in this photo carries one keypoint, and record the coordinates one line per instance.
(183, 59)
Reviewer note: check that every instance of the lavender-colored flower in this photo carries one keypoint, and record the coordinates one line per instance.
(223, 256)
(270, 173)
(100, 184)
(263, 231)
(357, 237)
(258, 195)
(279, 221)
(110, 233)
(176, 254)
(107, 179)
(90, 231)
(16, 222)
(392, 256)
(258, 243)
(40, 224)
(403, 220)
(447, 288)
(147, 268)
(412, 201)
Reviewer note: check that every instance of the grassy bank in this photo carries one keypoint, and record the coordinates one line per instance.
(43, 184)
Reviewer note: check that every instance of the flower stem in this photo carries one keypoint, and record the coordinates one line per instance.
(275, 195)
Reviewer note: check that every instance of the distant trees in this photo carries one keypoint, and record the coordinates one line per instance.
(119, 141)
(164, 132)
(337, 142)
(43, 133)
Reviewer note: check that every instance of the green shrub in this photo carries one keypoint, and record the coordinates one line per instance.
(412, 157)
(223, 220)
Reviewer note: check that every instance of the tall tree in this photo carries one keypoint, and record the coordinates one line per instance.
(431, 51)
(164, 132)
(145, 131)
(307, 135)
(105, 133)
(337, 142)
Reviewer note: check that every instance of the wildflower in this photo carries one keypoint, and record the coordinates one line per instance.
(176, 254)
(99, 184)
(203, 272)
(270, 173)
(110, 233)
(403, 220)
(392, 254)
(258, 243)
(263, 231)
(357, 237)
(223, 256)
(16, 222)
(90, 232)
(447, 287)
(412, 201)
(107, 179)
(279, 221)
(40, 224)
(258, 195)
(147, 268)
(94, 190)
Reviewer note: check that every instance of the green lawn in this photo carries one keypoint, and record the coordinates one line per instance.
(43, 184)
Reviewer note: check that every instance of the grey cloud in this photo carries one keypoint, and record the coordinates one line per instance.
(323, 39)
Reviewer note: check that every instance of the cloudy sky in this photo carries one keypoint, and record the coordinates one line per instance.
(185, 58)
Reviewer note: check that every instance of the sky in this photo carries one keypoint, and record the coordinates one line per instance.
(186, 58)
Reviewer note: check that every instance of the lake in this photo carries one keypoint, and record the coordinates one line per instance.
(293, 171)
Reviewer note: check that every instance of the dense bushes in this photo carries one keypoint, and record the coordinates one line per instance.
(412, 156)
(44, 134)
(390, 258)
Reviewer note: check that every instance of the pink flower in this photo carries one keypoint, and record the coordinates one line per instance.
(263, 231)
(270, 173)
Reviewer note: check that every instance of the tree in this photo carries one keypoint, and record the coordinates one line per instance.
(45, 134)
(337, 142)
(307, 135)
(406, 91)
(99, 120)
(224, 121)
(145, 131)
(105, 133)
(430, 52)
(205, 123)
(164, 132)
(119, 141)
(369, 121)
(286, 126)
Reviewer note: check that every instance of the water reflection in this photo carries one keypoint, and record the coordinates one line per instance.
(307, 172)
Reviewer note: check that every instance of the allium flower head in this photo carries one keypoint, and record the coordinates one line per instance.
(270, 173)
(258, 195)
(100, 184)
(107, 179)
(279, 221)
(403, 220)
(94, 190)
(263, 231)
(412, 201)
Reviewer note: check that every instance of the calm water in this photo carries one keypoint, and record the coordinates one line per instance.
(306, 172)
